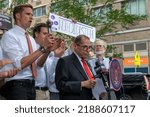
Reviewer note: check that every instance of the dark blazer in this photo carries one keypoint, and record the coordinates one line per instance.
(68, 77)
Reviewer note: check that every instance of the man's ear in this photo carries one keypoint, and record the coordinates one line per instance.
(74, 45)
(36, 34)
(17, 16)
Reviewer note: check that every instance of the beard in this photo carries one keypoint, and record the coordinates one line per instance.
(99, 52)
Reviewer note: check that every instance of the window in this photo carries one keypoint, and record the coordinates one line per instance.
(141, 46)
(128, 47)
(129, 70)
(136, 7)
(40, 11)
(140, 69)
(100, 12)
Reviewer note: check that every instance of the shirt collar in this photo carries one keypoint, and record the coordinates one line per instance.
(20, 29)
(77, 56)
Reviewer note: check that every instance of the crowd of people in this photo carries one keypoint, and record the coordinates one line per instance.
(40, 67)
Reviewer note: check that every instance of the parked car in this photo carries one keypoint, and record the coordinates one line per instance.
(133, 87)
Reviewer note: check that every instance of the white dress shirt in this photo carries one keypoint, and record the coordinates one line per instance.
(41, 80)
(15, 47)
(51, 63)
(93, 61)
(106, 65)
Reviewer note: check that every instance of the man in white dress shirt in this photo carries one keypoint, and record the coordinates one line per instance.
(40, 31)
(51, 63)
(99, 49)
(3, 72)
(3, 63)
(15, 47)
(45, 81)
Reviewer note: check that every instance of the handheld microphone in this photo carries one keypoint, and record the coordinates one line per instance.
(98, 68)
(110, 59)
(100, 74)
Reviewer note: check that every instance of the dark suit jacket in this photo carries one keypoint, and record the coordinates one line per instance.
(68, 77)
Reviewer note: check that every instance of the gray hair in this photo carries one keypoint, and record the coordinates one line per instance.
(99, 41)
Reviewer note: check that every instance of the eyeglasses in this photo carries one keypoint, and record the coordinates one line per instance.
(85, 47)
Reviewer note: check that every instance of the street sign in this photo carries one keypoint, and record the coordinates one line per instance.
(137, 60)
(72, 28)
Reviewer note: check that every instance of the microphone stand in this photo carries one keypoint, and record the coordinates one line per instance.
(106, 82)
(104, 79)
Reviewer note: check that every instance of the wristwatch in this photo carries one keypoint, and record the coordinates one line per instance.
(42, 49)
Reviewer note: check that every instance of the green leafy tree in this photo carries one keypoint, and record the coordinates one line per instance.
(82, 11)
(106, 22)
(112, 49)
(7, 7)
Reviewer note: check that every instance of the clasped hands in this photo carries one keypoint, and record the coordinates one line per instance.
(9, 73)
(51, 43)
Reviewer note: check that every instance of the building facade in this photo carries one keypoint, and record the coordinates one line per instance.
(127, 42)
(41, 10)
(135, 38)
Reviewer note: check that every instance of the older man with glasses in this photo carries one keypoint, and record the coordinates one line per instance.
(74, 79)
(101, 61)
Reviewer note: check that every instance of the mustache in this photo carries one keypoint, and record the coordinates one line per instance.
(100, 52)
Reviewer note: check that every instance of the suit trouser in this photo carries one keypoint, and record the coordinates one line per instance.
(23, 89)
(2, 98)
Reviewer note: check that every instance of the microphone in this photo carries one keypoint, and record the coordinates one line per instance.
(98, 68)
(99, 71)
(110, 59)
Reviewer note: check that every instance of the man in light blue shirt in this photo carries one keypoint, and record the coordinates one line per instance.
(99, 49)
(40, 31)
(51, 63)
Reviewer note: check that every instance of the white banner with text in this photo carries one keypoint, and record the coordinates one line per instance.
(72, 28)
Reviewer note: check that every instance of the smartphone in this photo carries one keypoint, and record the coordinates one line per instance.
(49, 26)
